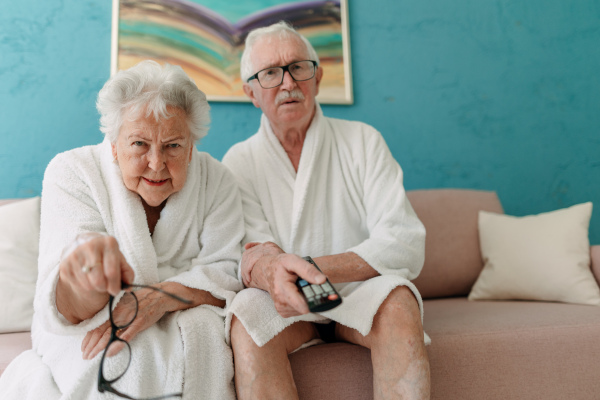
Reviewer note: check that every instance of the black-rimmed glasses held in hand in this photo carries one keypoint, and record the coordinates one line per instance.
(111, 371)
(269, 78)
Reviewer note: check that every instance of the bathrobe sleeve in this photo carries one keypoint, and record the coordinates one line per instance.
(67, 209)
(215, 268)
(396, 242)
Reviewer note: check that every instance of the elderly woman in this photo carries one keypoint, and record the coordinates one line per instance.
(143, 207)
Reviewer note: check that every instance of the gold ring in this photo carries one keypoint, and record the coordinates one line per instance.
(87, 268)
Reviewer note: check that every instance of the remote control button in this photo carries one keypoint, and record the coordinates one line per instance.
(327, 287)
(302, 282)
(317, 289)
(332, 297)
(308, 291)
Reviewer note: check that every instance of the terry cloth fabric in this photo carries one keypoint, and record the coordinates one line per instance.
(347, 196)
(196, 243)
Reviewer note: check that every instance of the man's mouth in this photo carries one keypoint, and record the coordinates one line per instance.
(153, 182)
(285, 97)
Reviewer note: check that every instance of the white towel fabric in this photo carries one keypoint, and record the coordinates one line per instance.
(196, 242)
(347, 196)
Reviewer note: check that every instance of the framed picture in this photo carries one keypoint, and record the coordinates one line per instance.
(206, 38)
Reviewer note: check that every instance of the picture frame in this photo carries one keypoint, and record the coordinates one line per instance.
(206, 38)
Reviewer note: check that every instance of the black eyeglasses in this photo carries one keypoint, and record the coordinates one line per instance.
(109, 374)
(269, 78)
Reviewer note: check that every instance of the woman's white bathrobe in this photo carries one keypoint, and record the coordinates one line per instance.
(347, 196)
(196, 242)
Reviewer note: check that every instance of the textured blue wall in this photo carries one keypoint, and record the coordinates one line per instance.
(500, 95)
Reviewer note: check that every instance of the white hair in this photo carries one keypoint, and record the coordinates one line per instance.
(149, 87)
(281, 30)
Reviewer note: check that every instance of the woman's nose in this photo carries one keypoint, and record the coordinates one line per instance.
(156, 160)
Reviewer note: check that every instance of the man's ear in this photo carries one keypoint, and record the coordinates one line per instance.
(250, 93)
(318, 77)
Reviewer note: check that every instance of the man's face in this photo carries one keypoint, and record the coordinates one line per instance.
(272, 51)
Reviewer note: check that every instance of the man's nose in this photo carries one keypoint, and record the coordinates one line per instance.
(156, 160)
(288, 82)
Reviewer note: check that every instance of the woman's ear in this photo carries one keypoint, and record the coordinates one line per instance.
(114, 150)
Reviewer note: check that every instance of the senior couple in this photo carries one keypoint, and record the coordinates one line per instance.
(140, 294)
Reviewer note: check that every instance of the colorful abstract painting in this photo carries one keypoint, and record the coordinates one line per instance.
(206, 38)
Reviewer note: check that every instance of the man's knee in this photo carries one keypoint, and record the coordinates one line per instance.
(400, 310)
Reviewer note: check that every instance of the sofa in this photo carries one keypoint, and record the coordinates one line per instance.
(480, 349)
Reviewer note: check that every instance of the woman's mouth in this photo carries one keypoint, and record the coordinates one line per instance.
(152, 182)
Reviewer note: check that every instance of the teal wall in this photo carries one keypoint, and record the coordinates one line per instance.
(489, 94)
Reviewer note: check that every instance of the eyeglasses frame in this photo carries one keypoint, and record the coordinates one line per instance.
(285, 68)
(105, 385)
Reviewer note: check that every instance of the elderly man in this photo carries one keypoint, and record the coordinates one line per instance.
(330, 189)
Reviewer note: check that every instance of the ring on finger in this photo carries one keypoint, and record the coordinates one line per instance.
(87, 268)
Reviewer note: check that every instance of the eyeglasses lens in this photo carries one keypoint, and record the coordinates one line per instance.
(114, 367)
(300, 71)
(126, 310)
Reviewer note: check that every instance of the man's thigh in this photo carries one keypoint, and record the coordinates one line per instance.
(295, 335)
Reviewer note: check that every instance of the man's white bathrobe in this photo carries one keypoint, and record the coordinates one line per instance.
(347, 196)
(196, 243)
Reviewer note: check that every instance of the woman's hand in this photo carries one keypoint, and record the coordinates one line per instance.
(152, 305)
(91, 272)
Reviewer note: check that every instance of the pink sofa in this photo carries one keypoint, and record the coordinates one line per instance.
(480, 349)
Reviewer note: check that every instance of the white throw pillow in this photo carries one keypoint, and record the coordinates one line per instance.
(19, 239)
(540, 257)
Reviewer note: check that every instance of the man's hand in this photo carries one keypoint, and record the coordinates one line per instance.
(266, 266)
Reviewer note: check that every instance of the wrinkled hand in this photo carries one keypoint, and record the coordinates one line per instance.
(108, 266)
(150, 310)
(81, 294)
(266, 266)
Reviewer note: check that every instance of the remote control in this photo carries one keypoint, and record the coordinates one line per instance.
(318, 297)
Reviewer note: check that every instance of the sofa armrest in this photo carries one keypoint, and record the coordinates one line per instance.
(595, 256)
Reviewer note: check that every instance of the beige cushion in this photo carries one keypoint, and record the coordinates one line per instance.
(595, 255)
(452, 257)
(541, 257)
(19, 238)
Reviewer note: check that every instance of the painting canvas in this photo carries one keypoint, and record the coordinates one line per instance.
(206, 38)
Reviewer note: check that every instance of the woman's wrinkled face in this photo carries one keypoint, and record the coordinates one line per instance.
(154, 155)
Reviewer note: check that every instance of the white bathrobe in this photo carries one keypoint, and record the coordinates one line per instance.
(347, 196)
(196, 243)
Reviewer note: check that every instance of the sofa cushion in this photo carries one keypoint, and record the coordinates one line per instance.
(19, 240)
(540, 257)
(512, 349)
(452, 255)
(333, 371)
(595, 261)
(11, 345)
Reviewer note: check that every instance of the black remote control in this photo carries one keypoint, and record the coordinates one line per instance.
(318, 297)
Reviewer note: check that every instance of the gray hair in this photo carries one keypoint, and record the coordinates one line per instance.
(150, 87)
(280, 29)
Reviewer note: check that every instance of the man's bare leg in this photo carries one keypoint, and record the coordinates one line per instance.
(400, 363)
(265, 372)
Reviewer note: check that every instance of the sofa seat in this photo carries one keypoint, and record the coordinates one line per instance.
(11, 345)
(480, 350)
(513, 349)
